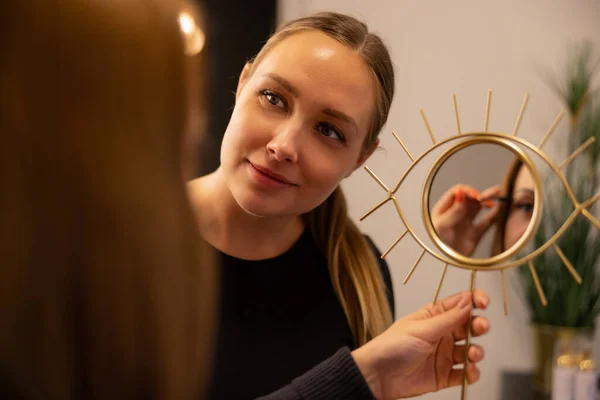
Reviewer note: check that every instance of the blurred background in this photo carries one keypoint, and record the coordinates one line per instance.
(440, 49)
(237, 30)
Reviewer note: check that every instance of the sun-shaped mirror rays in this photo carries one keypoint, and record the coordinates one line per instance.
(581, 208)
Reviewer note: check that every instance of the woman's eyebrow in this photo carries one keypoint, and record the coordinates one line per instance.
(287, 85)
(341, 116)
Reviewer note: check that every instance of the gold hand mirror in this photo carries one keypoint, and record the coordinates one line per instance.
(483, 225)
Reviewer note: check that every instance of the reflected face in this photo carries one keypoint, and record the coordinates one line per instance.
(299, 125)
(521, 208)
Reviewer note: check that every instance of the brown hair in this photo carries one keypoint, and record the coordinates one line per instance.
(354, 270)
(502, 217)
(106, 289)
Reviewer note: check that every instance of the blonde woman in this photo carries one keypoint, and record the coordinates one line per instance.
(299, 282)
(106, 289)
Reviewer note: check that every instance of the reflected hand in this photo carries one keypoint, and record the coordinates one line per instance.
(417, 354)
(453, 217)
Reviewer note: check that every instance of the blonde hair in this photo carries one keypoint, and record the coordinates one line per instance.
(106, 290)
(508, 187)
(354, 269)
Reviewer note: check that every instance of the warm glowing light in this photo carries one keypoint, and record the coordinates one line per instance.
(194, 36)
(187, 23)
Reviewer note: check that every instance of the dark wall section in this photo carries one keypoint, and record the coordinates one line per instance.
(236, 31)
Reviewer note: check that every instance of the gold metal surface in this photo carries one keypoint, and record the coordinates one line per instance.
(456, 113)
(552, 128)
(437, 291)
(487, 111)
(427, 125)
(538, 286)
(520, 115)
(568, 264)
(579, 150)
(504, 296)
(377, 179)
(414, 267)
(468, 340)
(403, 146)
(394, 244)
(591, 201)
(592, 219)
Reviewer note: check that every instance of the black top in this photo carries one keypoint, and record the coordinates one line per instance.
(280, 318)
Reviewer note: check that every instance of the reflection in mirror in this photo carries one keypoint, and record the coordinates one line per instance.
(481, 200)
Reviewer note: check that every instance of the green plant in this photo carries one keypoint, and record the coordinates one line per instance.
(569, 303)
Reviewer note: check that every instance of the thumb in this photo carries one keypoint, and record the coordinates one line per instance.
(447, 321)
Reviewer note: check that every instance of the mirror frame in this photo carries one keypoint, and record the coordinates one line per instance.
(537, 207)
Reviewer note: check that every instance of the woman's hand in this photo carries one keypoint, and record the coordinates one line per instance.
(417, 354)
(453, 217)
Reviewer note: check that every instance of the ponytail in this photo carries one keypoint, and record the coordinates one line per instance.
(353, 267)
(354, 270)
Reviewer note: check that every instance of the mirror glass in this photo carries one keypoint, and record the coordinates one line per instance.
(481, 200)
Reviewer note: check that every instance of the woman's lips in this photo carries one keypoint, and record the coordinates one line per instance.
(266, 177)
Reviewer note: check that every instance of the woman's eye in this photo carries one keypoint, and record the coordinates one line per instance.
(525, 207)
(274, 99)
(331, 131)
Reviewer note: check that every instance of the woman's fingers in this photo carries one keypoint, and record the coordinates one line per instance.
(471, 192)
(481, 299)
(457, 213)
(457, 375)
(478, 298)
(456, 194)
(476, 354)
(487, 220)
(479, 326)
(446, 201)
(445, 224)
(460, 192)
(490, 192)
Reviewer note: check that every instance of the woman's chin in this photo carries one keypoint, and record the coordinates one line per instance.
(260, 208)
(268, 208)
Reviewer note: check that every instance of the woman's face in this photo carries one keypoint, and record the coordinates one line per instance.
(299, 125)
(521, 208)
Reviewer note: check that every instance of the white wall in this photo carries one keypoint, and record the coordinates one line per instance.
(461, 47)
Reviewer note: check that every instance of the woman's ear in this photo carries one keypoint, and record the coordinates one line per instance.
(243, 79)
(364, 156)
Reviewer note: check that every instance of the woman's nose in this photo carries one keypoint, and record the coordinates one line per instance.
(285, 146)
